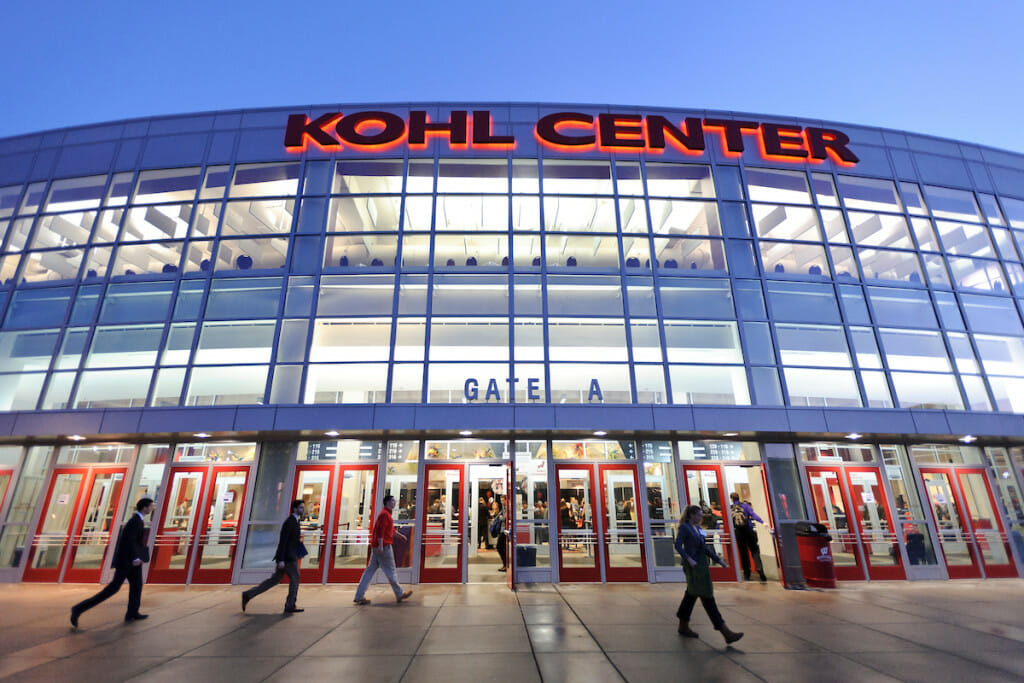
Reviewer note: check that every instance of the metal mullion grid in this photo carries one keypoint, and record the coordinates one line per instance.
(510, 310)
(428, 314)
(33, 226)
(5, 303)
(626, 319)
(982, 372)
(542, 231)
(393, 338)
(659, 308)
(513, 271)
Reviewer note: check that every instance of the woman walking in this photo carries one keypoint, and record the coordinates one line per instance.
(691, 544)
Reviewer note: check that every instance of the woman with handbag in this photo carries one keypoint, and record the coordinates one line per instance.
(696, 553)
(498, 530)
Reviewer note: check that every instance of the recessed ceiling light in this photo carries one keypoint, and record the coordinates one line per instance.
(853, 436)
(731, 434)
(77, 437)
(600, 432)
(968, 438)
(466, 432)
(332, 433)
(201, 435)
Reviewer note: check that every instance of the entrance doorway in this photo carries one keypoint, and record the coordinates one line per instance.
(488, 491)
(71, 540)
(971, 533)
(197, 536)
(441, 531)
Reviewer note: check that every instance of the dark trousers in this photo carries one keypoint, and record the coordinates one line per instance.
(502, 544)
(291, 569)
(746, 541)
(686, 609)
(482, 538)
(133, 575)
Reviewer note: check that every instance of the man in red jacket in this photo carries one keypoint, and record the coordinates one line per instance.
(382, 555)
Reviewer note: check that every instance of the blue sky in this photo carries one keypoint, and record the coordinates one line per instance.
(945, 68)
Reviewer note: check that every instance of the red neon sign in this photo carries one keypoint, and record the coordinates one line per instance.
(570, 132)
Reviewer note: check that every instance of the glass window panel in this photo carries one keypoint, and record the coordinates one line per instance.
(880, 230)
(178, 346)
(583, 340)
(349, 383)
(963, 353)
(206, 219)
(112, 388)
(794, 258)
(361, 250)
(33, 198)
(1016, 274)
(58, 391)
(368, 339)
(171, 185)
(680, 217)
(359, 176)
(533, 389)
(215, 182)
(913, 199)
(227, 385)
(590, 383)
(824, 189)
(17, 234)
(1008, 393)
(71, 348)
(127, 303)
(149, 258)
(924, 233)
(949, 311)
(902, 307)
(767, 389)
(1001, 355)
(991, 314)
(749, 299)
(640, 294)
(107, 226)
(702, 342)
(914, 350)
(758, 346)
(965, 240)
(38, 308)
(637, 251)
(869, 194)
(473, 250)
(291, 346)
(834, 225)
(526, 252)
(526, 214)
(865, 348)
(472, 339)
(709, 385)
(876, 389)
(689, 254)
(844, 263)
(264, 180)
(924, 390)
(244, 298)
(470, 294)
(473, 176)
(883, 264)
(578, 214)
(646, 339)
(991, 209)
(420, 176)
(818, 346)
(25, 351)
(51, 266)
(235, 342)
(977, 394)
(260, 217)
(120, 188)
(935, 267)
(124, 346)
(9, 200)
(76, 194)
(977, 274)
(584, 295)
(817, 387)
(528, 295)
(734, 219)
(695, 297)
(528, 339)
(21, 392)
(169, 383)
(412, 295)
(1004, 243)
(364, 214)
(730, 185)
(592, 252)
(410, 336)
(787, 222)
(679, 180)
(802, 301)
(198, 255)
(356, 295)
(1014, 209)
(453, 383)
(953, 204)
(65, 230)
(525, 177)
(257, 254)
(784, 187)
(169, 221)
(577, 177)
(464, 213)
(628, 180)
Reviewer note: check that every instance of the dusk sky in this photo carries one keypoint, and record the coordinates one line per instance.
(941, 67)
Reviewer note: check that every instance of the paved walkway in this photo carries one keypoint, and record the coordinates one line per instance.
(922, 631)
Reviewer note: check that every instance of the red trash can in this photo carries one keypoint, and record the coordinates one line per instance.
(816, 554)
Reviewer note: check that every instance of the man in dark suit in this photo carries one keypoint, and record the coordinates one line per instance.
(289, 551)
(130, 553)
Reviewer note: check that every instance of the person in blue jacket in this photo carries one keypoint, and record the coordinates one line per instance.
(696, 553)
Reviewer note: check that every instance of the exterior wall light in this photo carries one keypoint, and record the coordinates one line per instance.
(201, 435)
(77, 437)
(853, 436)
(730, 433)
(968, 438)
(466, 432)
(332, 433)
(600, 432)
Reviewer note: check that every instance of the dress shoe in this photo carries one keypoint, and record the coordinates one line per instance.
(502, 569)
(404, 595)
(362, 601)
(763, 577)
(293, 610)
(74, 617)
(730, 636)
(136, 617)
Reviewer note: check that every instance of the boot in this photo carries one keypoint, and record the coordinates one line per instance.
(746, 576)
(685, 630)
(763, 577)
(730, 636)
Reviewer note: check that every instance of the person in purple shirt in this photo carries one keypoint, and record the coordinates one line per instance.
(743, 517)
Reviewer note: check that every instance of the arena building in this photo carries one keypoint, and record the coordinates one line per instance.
(589, 316)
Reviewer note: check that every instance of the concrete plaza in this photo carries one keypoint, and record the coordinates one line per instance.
(879, 631)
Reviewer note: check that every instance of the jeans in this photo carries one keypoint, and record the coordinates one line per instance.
(710, 606)
(291, 569)
(385, 560)
(133, 575)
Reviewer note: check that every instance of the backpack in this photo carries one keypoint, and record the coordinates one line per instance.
(497, 525)
(740, 518)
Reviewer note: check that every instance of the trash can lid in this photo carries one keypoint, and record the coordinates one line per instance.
(806, 528)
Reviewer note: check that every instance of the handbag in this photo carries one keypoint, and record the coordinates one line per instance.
(497, 525)
(302, 552)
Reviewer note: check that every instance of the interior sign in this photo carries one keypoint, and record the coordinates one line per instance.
(570, 132)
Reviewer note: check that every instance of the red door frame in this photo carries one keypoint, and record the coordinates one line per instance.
(351, 574)
(622, 573)
(1001, 571)
(443, 575)
(510, 523)
(52, 575)
(200, 575)
(720, 574)
(158, 574)
(117, 501)
(843, 573)
(3, 493)
(316, 574)
(880, 572)
(580, 574)
(954, 571)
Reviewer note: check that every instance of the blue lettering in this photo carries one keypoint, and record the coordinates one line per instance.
(533, 386)
(470, 390)
(492, 391)
(595, 390)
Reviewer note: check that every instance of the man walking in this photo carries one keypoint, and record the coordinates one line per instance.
(130, 554)
(289, 551)
(382, 555)
(743, 517)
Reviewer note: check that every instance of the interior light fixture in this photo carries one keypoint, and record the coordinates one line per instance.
(332, 433)
(77, 437)
(853, 436)
(968, 438)
(201, 435)
(466, 432)
(600, 432)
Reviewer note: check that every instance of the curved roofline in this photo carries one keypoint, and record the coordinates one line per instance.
(493, 103)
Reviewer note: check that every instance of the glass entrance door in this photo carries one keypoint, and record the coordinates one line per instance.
(833, 510)
(577, 537)
(354, 512)
(172, 547)
(313, 487)
(874, 522)
(75, 530)
(623, 534)
(987, 531)
(218, 539)
(954, 535)
(704, 488)
(441, 528)
(5, 483)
